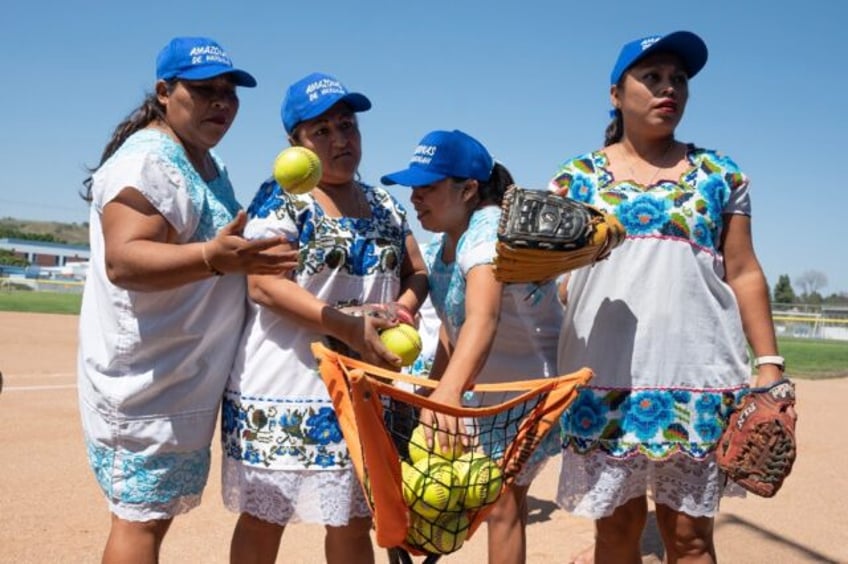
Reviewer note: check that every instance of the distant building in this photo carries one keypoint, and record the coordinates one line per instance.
(46, 259)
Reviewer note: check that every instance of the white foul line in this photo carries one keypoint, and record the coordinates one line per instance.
(36, 388)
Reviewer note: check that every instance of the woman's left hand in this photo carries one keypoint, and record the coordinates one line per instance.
(768, 374)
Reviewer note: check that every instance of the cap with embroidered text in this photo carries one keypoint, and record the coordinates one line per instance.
(689, 47)
(198, 58)
(442, 154)
(313, 95)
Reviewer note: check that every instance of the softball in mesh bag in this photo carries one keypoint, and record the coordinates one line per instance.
(418, 447)
(444, 534)
(429, 487)
(478, 478)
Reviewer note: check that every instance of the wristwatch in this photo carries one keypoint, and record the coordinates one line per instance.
(770, 359)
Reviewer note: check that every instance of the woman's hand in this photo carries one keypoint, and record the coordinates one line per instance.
(767, 375)
(445, 432)
(361, 332)
(229, 251)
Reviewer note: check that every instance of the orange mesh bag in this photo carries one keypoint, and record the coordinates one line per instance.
(425, 500)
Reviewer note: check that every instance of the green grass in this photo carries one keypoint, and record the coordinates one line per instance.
(805, 358)
(40, 302)
(810, 358)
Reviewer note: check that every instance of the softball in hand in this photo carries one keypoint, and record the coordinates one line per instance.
(404, 341)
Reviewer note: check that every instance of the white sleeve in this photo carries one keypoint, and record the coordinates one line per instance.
(160, 182)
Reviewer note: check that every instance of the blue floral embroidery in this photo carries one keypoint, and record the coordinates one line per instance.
(702, 234)
(447, 281)
(323, 427)
(690, 208)
(586, 416)
(214, 201)
(646, 413)
(267, 199)
(160, 479)
(291, 419)
(581, 189)
(656, 423)
(643, 214)
(715, 191)
(363, 257)
(282, 433)
(709, 429)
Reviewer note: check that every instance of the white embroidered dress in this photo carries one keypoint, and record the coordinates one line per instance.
(525, 343)
(285, 458)
(152, 365)
(661, 329)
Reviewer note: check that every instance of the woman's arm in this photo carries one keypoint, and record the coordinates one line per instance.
(482, 312)
(413, 277)
(745, 277)
(141, 254)
(285, 297)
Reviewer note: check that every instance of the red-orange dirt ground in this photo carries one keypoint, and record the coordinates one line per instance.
(52, 511)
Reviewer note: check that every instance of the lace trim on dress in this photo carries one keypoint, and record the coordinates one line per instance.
(330, 497)
(141, 487)
(594, 485)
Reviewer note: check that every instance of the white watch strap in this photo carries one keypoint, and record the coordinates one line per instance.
(770, 359)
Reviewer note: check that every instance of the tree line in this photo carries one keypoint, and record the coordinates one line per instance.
(809, 284)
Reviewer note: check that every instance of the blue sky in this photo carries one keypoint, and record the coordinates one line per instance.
(529, 79)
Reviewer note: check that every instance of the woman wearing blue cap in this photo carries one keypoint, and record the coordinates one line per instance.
(490, 332)
(285, 458)
(164, 301)
(664, 322)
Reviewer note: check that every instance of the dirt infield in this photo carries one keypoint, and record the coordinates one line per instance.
(52, 511)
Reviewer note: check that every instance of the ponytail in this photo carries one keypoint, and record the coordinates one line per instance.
(492, 191)
(615, 129)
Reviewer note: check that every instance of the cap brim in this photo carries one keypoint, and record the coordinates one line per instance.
(357, 102)
(412, 177)
(240, 77)
(687, 46)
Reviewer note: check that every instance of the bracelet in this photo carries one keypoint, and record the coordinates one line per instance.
(770, 359)
(208, 264)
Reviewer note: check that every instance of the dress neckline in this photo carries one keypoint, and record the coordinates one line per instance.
(612, 180)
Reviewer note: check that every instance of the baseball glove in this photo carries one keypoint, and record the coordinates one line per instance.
(758, 447)
(542, 235)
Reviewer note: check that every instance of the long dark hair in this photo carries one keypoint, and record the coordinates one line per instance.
(615, 129)
(492, 190)
(148, 111)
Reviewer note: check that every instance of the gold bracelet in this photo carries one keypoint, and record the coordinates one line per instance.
(208, 264)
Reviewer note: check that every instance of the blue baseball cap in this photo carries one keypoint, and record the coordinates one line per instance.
(313, 95)
(442, 154)
(197, 58)
(685, 44)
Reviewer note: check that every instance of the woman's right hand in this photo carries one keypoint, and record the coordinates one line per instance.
(229, 251)
(442, 429)
(361, 333)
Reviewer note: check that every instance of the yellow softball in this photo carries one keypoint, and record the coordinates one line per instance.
(429, 487)
(478, 478)
(297, 169)
(418, 447)
(404, 341)
(445, 534)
